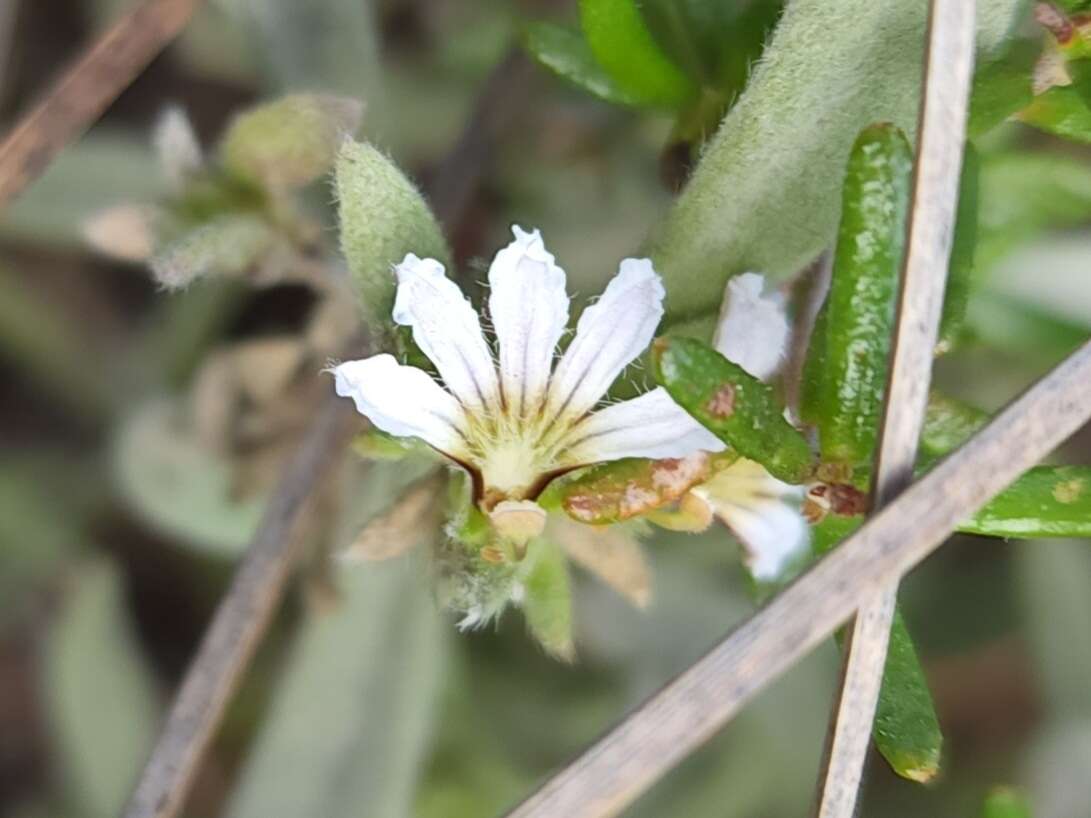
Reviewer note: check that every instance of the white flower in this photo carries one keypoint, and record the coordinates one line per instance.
(763, 512)
(517, 422)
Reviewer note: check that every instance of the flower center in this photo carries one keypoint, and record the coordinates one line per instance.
(510, 468)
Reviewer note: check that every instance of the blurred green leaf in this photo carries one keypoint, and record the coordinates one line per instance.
(1023, 330)
(863, 291)
(960, 274)
(1060, 111)
(626, 50)
(351, 718)
(1004, 802)
(44, 348)
(229, 244)
(547, 599)
(764, 196)
(291, 141)
(948, 423)
(1002, 84)
(567, 54)
(104, 168)
(383, 217)
(171, 481)
(732, 404)
(100, 696)
(906, 729)
(1024, 194)
(1047, 501)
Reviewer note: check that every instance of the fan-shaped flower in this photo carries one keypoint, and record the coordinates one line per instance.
(515, 421)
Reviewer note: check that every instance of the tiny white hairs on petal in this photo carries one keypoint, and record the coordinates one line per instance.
(753, 328)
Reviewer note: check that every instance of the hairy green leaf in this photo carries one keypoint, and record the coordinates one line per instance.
(547, 599)
(863, 292)
(623, 46)
(734, 405)
(567, 54)
(765, 194)
(383, 217)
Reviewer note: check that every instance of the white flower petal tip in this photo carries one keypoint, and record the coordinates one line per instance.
(519, 521)
(753, 328)
(764, 513)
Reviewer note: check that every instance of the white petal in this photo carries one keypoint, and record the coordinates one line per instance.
(753, 328)
(609, 335)
(652, 425)
(763, 513)
(529, 310)
(403, 401)
(446, 328)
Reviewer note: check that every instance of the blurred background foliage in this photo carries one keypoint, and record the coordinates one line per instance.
(119, 527)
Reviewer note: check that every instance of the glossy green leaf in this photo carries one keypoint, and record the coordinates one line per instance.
(1047, 501)
(960, 272)
(1004, 802)
(863, 292)
(547, 599)
(99, 695)
(765, 193)
(383, 217)
(814, 367)
(906, 729)
(1002, 84)
(567, 54)
(626, 49)
(734, 405)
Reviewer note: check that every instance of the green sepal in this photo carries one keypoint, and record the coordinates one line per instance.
(547, 599)
(734, 405)
(960, 270)
(906, 729)
(1047, 501)
(567, 54)
(625, 48)
(863, 293)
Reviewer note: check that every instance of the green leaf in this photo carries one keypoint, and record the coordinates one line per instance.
(567, 54)
(960, 273)
(622, 489)
(765, 194)
(1060, 111)
(1024, 194)
(732, 404)
(100, 696)
(948, 423)
(814, 367)
(1047, 501)
(383, 217)
(547, 599)
(863, 293)
(625, 48)
(1003, 84)
(1004, 802)
(906, 729)
(227, 245)
(1023, 330)
(290, 142)
(351, 719)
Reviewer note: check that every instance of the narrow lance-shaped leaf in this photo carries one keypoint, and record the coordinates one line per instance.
(734, 405)
(906, 729)
(567, 54)
(814, 367)
(626, 49)
(383, 217)
(1047, 501)
(863, 291)
(960, 271)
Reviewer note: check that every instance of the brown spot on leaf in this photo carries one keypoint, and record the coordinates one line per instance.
(722, 404)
